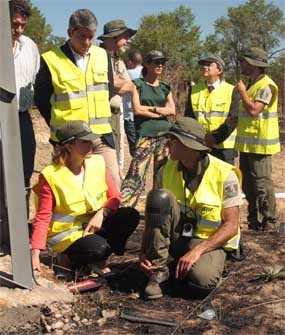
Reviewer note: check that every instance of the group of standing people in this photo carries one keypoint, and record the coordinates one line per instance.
(193, 211)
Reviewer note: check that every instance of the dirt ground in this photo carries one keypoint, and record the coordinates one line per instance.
(242, 305)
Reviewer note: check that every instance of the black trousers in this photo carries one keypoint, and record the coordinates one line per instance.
(112, 237)
(28, 143)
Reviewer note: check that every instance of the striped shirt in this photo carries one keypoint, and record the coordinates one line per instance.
(27, 62)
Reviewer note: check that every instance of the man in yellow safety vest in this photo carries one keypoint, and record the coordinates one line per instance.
(214, 103)
(192, 215)
(258, 138)
(75, 82)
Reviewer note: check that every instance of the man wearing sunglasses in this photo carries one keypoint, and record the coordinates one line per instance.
(193, 214)
(214, 103)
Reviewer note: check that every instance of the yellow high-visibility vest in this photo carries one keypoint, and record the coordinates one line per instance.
(77, 95)
(260, 134)
(205, 205)
(211, 110)
(75, 204)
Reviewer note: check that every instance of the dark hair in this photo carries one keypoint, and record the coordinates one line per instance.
(21, 7)
(144, 71)
(132, 56)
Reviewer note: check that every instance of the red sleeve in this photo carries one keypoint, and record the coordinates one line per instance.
(113, 194)
(46, 203)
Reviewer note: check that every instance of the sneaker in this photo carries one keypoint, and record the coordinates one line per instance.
(255, 226)
(153, 288)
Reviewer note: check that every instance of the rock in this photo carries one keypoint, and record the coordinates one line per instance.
(57, 325)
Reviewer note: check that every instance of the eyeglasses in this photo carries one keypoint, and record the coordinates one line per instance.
(208, 64)
(159, 61)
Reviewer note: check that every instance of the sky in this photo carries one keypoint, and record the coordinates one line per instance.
(57, 12)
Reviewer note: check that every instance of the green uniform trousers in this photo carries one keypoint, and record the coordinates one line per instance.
(165, 237)
(258, 187)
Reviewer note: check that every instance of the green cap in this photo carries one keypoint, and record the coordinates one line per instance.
(115, 28)
(213, 59)
(257, 57)
(75, 130)
(189, 132)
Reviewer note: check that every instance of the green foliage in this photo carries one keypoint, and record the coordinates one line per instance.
(41, 32)
(177, 36)
(255, 23)
(271, 272)
(174, 33)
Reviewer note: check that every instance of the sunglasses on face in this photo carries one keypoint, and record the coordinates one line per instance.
(159, 61)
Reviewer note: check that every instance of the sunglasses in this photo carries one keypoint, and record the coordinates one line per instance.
(159, 61)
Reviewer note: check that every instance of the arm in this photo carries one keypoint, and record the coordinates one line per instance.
(225, 129)
(110, 206)
(43, 91)
(217, 240)
(42, 221)
(153, 111)
(110, 77)
(253, 108)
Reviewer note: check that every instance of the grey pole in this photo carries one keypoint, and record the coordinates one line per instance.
(12, 183)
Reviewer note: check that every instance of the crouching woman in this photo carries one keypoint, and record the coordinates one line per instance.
(78, 203)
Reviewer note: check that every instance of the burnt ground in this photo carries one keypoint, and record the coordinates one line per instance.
(242, 305)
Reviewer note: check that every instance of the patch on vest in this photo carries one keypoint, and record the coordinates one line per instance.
(231, 191)
(206, 209)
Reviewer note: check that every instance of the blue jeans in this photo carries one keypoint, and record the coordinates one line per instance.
(131, 133)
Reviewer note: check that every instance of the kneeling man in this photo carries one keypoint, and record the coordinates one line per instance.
(193, 215)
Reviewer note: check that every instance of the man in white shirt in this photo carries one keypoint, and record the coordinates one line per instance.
(26, 60)
(134, 68)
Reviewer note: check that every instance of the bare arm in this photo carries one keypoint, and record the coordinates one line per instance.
(153, 111)
(217, 240)
(253, 108)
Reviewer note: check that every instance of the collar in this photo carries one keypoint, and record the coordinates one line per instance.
(216, 84)
(76, 54)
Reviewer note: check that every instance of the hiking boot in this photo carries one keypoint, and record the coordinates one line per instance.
(255, 226)
(271, 226)
(153, 287)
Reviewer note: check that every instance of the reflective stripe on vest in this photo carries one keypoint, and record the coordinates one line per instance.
(207, 200)
(260, 134)
(52, 241)
(260, 116)
(74, 203)
(63, 218)
(77, 95)
(211, 110)
(257, 141)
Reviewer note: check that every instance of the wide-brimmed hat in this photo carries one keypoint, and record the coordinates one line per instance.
(75, 130)
(213, 59)
(189, 132)
(257, 57)
(154, 55)
(115, 28)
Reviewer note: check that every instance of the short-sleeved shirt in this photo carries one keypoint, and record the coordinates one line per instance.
(232, 195)
(151, 96)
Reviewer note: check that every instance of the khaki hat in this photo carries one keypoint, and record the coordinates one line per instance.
(115, 28)
(75, 130)
(189, 132)
(213, 59)
(257, 57)
(153, 55)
